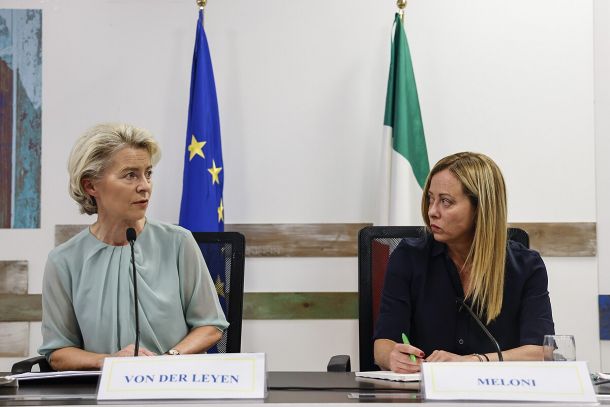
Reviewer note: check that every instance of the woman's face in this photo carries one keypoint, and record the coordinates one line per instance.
(450, 212)
(123, 191)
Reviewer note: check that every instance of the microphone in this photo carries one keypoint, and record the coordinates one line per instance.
(131, 238)
(461, 302)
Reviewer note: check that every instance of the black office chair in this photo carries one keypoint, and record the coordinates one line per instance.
(375, 245)
(224, 253)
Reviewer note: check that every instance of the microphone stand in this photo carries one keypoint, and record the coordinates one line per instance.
(461, 302)
(131, 237)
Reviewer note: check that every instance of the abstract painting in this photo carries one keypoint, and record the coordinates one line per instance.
(604, 317)
(20, 117)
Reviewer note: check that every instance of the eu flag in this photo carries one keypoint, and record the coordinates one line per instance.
(202, 208)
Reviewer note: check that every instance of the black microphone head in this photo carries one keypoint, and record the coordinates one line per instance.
(131, 234)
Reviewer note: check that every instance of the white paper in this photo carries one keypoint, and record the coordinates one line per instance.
(395, 377)
(381, 396)
(50, 375)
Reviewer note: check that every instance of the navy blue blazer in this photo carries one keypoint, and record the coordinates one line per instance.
(419, 298)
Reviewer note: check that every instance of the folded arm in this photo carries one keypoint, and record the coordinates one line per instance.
(525, 352)
(521, 353)
(198, 340)
(72, 358)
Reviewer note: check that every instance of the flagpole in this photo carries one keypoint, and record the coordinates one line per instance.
(401, 8)
(201, 4)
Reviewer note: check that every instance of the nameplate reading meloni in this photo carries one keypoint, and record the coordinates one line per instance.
(508, 381)
(213, 376)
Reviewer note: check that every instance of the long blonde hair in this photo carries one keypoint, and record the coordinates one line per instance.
(483, 183)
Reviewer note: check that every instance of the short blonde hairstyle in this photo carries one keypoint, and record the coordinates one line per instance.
(483, 184)
(92, 152)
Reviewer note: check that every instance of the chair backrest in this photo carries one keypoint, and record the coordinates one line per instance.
(224, 254)
(375, 245)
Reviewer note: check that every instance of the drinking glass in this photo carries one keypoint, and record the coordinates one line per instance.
(559, 348)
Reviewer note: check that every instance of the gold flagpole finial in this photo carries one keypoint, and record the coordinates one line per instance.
(401, 7)
(202, 3)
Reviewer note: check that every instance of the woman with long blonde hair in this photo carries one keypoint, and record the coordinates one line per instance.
(464, 255)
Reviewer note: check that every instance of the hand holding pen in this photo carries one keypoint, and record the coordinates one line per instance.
(405, 358)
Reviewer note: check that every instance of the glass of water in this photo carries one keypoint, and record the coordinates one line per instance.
(559, 348)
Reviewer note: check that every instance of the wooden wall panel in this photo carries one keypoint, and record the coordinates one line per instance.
(327, 305)
(341, 239)
(300, 240)
(279, 240)
(14, 336)
(14, 277)
(310, 305)
(562, 239)
(14, 339)
(20, 308)
(63, 233)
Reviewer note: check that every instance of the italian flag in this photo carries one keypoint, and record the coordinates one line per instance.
(405, 153)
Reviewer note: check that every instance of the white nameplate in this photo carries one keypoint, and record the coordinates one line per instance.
(213, 376)
(509, 381)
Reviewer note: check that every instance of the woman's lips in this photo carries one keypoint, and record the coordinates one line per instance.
(435, 228)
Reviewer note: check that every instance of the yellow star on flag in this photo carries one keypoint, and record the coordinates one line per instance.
(215, 171)
(196, 147)
(221, 212)
(220, 287)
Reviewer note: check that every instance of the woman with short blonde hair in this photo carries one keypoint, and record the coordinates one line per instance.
(88, 291)
(463, 256)
(89, 156)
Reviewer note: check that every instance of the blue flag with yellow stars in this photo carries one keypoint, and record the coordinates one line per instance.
(202, 208)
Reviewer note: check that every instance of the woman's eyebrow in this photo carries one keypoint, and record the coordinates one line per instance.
(135, 168)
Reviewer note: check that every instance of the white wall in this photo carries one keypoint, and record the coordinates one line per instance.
(301, 90)
(602, 150)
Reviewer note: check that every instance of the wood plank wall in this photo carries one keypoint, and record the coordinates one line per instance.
(321, 240)
(14, 336)
(562, 239)
(341, 239)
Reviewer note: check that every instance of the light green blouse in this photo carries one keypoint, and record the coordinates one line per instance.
(87, 294)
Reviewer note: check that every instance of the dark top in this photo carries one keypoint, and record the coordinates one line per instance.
(419, 299)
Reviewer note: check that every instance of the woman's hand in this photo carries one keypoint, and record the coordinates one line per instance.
(199, 340)
(71, 358)
(400, 359)
(128, 351)
(444, 356)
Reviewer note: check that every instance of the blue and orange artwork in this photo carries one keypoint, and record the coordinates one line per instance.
(20, 117)
(604, 317)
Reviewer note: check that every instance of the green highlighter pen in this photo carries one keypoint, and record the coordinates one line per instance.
(405, 340)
